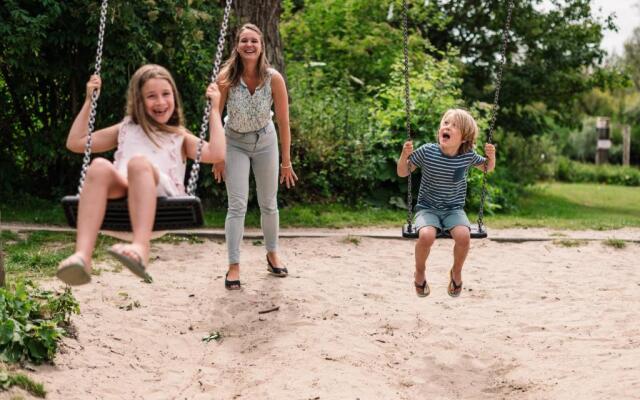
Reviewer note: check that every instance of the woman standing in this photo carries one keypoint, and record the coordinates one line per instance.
(249, 87)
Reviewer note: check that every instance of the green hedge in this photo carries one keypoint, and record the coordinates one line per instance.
(573, 171)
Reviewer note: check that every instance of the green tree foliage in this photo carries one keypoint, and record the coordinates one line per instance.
(554, 56)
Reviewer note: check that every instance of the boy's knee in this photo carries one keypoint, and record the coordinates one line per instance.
(462, 237)
(426, 236)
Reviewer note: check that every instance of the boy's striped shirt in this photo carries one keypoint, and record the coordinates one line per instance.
(444, 179)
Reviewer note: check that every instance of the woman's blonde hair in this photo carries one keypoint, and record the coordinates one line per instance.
(135, 102)
(232, 69)
(467, 125)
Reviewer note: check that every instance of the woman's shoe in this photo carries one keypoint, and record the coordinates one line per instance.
(231, 285)
(276, 271)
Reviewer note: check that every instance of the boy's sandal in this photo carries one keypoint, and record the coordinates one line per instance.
(72, 271)
(422, 290)
(231, 285)
(453, 289)
(276, 271)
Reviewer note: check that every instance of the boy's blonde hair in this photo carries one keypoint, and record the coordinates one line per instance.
(135, 102)
(467, 125)
(231, 70)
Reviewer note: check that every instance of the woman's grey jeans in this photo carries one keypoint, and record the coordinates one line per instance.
(258, 151)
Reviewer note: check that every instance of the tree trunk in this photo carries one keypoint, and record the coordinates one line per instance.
(265, 14)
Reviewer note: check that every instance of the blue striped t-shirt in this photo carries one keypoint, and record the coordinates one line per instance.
(444, 179)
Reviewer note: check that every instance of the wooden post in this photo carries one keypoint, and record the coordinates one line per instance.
(604, 144)
(626, 145)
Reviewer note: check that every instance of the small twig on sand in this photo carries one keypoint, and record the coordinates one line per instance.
(269, 310)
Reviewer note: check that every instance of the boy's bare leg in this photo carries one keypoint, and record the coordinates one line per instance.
(462, 238)
(426, 238)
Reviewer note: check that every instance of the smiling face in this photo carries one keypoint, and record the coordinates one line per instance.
(249, 45)
(159, 101)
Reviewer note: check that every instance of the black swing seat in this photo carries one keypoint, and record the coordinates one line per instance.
(180, 212)
(410, 232)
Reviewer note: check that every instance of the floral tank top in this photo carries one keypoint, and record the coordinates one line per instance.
(248, 112)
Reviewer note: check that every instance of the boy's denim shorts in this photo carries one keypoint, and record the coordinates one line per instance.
(442, 220)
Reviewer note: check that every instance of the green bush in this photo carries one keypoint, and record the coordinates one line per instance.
(32, 321)
(573, 171)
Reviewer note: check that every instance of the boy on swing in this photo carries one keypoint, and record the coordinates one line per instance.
(443, 189)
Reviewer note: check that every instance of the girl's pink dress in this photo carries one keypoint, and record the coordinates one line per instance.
(166, 157)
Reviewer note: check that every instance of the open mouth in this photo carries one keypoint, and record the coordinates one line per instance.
(446, 136)
(159, 113)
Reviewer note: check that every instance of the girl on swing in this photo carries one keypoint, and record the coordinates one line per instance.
(152, 145)
(249, 87)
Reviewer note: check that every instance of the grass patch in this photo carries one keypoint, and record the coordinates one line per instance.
(36, 255)
(349, 239)
(9, 379)
(178, 239)
(569, 243)
(615, 243)
(574, 206)
(550, 205)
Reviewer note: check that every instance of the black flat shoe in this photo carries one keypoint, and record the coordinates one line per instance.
(275, 271)
(231, 285)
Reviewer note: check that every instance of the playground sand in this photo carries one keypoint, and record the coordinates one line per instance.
(536, 320)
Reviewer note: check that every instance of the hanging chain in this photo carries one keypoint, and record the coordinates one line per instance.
(195, 169)
(494, 111)
(94, 97)
(407, 102)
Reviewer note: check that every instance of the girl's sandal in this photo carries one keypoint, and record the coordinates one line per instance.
(72, 271)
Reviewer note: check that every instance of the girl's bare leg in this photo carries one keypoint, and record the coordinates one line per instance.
(102, 182)
(142, 197)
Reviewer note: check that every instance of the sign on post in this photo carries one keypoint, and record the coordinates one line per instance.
(604, 144)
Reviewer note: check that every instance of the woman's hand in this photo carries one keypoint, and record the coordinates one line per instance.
(213, 94)
(95, 83)
(218, 171)
(287, 175)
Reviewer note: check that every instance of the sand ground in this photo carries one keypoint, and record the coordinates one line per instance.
(536, 320)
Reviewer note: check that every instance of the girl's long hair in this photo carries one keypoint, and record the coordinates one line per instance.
(135, 102)
(231, 70)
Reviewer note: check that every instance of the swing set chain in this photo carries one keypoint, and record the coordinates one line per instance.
(407, 102)
(195, 170)
(494, 110)
(94, 97)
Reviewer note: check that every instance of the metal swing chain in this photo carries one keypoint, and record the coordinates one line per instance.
(94, 97)
(494, 111)
(407, 102)
(195, 169)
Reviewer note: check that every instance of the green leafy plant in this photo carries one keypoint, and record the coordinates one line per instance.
(31, 322)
